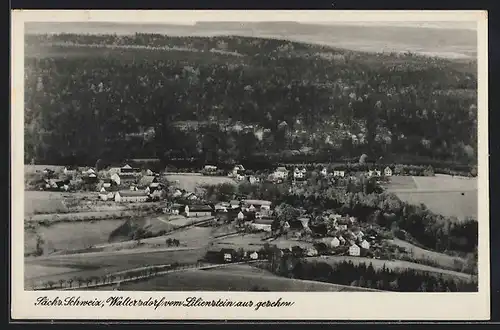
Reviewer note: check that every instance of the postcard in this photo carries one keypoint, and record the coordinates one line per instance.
(249, 165)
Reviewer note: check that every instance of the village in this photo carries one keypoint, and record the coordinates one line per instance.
(127, 184)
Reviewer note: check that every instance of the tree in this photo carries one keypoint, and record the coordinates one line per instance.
(61, 282)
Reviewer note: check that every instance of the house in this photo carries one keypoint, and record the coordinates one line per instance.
(365, 245)
(177, 193)
(198, 210)
(106, 195)
(146, 181)
(68, 171)
(155, 186)
(254, 255)
(354, 250)
(240, 216)
(335, 242)
(240, 177)
(234, 204)
(299, 174)
(128, 170)
(115, 178)
(228, 254)
(237, 170)
(257, 204)
(342, 227)
(253, 179)
(149, 172)
(341, 240)
(280, 173)
(324, 171)
(387, 171)
(210, 168)
(286, 225)
(359, 235)
(189, 196)
(374, 173)
(338, 173)
(311, 252)
(263, 224)
(131, 196)
(221, 207)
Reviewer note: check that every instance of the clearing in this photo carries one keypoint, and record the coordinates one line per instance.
(442, 259)
(442, 194)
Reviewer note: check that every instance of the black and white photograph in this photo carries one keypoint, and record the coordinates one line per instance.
(255, 155)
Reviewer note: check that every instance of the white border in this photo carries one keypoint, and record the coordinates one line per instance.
(308, 305)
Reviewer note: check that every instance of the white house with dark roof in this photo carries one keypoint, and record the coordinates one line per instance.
(387, 171)
(131, 196)
(365, 245)
(338, 173)
(354, 250)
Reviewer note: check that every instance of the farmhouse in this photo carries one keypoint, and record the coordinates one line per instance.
(354, 250)
(281, 173)
(311, 252)
(189, 196)
(221, 207)
(338, 173)
(200, 210)
(240, 216)
(365, 245)
(299, 174)
(128, 170)
(210, 168)
(263, 224)
(106, 195)
(115, 178)
(235, 204)
(254, 255)
(177, 193)
(387, 171)
(257, 204)
(253, 179)
(131, 196)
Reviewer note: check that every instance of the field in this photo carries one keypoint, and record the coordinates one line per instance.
(442, 194)
(100, 263)
(71, 236)
(396, 265)
(191, 182)
(227, 280)
(255, 242)
(442, 259)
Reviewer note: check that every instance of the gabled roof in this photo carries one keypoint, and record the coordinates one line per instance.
(200, 208)
(127, 166)
(281, 169)
(131, 193)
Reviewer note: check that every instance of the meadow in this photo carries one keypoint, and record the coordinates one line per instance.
(100, 263)
(191, 182)
(442, 194)
(226, 280)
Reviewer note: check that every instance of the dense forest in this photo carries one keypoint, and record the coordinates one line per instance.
(225, 99)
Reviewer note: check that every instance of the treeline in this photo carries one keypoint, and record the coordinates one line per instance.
(347, 273)
(121, 104)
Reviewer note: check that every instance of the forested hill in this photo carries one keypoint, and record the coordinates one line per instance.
(224, 99)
